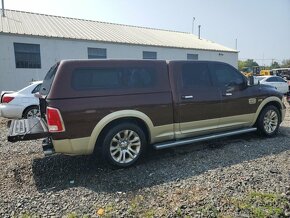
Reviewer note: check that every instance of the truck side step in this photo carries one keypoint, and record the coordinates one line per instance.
(170, 144)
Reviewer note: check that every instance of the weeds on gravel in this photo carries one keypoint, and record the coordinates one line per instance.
(27, 216)
(134, 206)
(135, 209)
(261, 205)
(74, 215)
(209, 210)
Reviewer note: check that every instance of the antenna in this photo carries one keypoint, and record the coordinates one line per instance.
(3, 13)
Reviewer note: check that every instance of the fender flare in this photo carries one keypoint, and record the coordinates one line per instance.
(114, 116)
(262, 105)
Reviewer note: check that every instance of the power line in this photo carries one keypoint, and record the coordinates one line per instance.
(261, 59)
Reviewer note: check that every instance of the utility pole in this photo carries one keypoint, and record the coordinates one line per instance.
(236, 44)
(3, 12)
(193, 19)
(199, 31)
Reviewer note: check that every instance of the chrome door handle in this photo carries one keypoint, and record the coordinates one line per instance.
(187, 97)
(228, 94)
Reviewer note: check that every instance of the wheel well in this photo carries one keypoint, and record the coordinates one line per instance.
(27, 108)
(273, 103)
(134, 120)
(276, 104)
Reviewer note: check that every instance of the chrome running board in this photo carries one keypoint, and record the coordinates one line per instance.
(201, 138)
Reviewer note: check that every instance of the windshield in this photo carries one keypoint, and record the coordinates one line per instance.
(48, 79)
(27, 88)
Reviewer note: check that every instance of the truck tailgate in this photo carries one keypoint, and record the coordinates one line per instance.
(27, 129)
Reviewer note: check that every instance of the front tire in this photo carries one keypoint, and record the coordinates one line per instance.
(269, 121)
(124, 144)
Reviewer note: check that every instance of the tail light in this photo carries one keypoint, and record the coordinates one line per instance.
(54, 120)
(7, 99)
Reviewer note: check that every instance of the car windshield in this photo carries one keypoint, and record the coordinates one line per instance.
(260, 78)
(27, 88)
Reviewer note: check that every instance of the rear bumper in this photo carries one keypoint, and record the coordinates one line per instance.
(47, 147)
(77, 146)
(11, 111)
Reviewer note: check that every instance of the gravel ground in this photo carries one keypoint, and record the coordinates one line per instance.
(243, 176)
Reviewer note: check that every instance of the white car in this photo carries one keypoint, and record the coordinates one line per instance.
(20, 104)
(276, 81)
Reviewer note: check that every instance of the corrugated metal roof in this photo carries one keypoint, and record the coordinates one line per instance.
(26, 23)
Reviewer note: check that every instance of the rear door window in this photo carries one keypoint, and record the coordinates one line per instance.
(113, 78)
(48, 79)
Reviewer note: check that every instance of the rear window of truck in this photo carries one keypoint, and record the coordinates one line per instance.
(113, 78)
(48, 79)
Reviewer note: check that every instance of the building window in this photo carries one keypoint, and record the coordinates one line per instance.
(97, 53)
(192, 56)
(27, 55)
(151, 55)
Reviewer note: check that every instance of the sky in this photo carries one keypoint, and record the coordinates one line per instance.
(261, 27)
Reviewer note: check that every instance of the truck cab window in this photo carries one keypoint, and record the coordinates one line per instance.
(195, 75)
(227, 76)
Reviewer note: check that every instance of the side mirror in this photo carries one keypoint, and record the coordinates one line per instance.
(252, 81)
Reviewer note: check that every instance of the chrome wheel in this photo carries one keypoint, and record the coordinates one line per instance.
(271, 121)
(32, 113)
(125, 146)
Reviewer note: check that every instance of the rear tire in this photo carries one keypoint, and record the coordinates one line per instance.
(31, 112)
(124, 144)
(269, 121)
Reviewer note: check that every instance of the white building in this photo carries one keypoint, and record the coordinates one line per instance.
(31, 43)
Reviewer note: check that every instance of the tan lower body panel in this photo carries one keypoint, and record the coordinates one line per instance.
(201, 127)
(162, 133)
(78, 146)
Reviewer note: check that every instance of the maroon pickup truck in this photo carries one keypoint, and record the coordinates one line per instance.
(120, 107)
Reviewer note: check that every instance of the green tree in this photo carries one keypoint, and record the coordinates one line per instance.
(249, 63)
(275, 65)
(286, 63)
(241, 65)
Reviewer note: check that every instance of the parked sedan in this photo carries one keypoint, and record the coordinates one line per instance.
(279, 83)
(20, 104)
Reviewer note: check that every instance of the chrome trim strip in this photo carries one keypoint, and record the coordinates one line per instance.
(202, 138)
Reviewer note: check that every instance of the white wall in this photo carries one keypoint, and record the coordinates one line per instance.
(53, 50)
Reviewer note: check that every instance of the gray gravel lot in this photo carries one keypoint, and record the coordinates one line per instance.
(242, 176)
